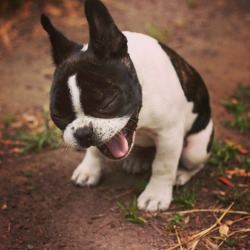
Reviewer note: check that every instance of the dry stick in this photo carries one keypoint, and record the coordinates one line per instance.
(242, 230)
(104, 225)
(123, 194)
(178, 238)
(156, 228)
(207, 211)
(206, 231)
(214, 225)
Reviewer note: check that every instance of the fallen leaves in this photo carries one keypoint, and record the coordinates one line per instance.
(27, 132)
(238, 172)
(192, 241)
(223, 230)
(242, 150)
(5, 30)
(4, 206)
(226, 181)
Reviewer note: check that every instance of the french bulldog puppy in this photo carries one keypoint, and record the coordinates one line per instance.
(125, 90)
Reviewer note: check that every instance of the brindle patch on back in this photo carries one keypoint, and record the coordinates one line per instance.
(193, 88)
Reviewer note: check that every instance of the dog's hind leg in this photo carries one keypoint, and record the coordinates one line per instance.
(195, 154)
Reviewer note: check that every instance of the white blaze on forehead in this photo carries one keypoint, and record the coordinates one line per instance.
(75, 93)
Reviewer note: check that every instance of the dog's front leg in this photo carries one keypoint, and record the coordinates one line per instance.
(88, 172)
(158, 193)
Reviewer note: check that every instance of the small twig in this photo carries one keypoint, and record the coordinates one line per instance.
(205, 231)
(97, 216)
(123, 194)
(104, 225)
(242, 230)
(178, 238)
(155, 228)
(207, 211)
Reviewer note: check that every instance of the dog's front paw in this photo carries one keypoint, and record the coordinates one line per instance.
(86, 176)
(155, 198)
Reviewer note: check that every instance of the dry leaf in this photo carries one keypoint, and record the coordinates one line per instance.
(53, 10)
(229, 222)
(193, 244)
(229, 143)
(224, 229)
(187, 219)
(238, 172)
(15, 150)
(4, 206)
(235, 101)
(242, 150)
(226, 181)
(239, 147)
(211, 245)
(10, 142)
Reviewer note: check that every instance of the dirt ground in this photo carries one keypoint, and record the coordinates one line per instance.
(45, 210)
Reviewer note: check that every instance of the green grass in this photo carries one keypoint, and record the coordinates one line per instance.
(193, 4)
(186, 197)
(246, 163)
(176, 220)
(226, 155)
(239, 107)
(236, 196)
(8, 120)
(131, 214)
(222, 153)
(26, 174)
(35, 142)
(157, 32)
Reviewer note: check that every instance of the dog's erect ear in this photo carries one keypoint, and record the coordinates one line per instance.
(62, 47)
(106, 40)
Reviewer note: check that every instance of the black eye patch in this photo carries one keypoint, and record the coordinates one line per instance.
(61, 109)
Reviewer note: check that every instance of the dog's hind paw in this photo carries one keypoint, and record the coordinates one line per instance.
(86, 176)
(139, 160)
(184, 175)
(135, 166)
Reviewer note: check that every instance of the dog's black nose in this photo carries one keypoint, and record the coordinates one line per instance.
(84, 136)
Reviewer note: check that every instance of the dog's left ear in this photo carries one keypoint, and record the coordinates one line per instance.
(106, 40)
(62, 47)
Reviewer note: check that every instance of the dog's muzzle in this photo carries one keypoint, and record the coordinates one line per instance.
(121, 144)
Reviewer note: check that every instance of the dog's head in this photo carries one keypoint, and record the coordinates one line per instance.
(95, 94)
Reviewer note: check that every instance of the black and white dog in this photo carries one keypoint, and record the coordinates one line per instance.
(126, 89)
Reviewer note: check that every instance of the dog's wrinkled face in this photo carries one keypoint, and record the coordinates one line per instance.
(95, 95)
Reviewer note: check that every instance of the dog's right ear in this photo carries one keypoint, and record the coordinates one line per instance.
(106, 40)
(62, 47)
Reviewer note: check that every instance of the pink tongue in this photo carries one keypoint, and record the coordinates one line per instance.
(118, 145)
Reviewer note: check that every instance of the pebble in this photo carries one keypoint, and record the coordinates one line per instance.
(30, 247)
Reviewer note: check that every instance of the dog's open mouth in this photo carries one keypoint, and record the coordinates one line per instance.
(119, 145)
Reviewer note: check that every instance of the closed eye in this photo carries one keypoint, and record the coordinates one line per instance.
(108, 104)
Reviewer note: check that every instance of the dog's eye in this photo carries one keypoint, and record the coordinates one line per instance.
(107, 104)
